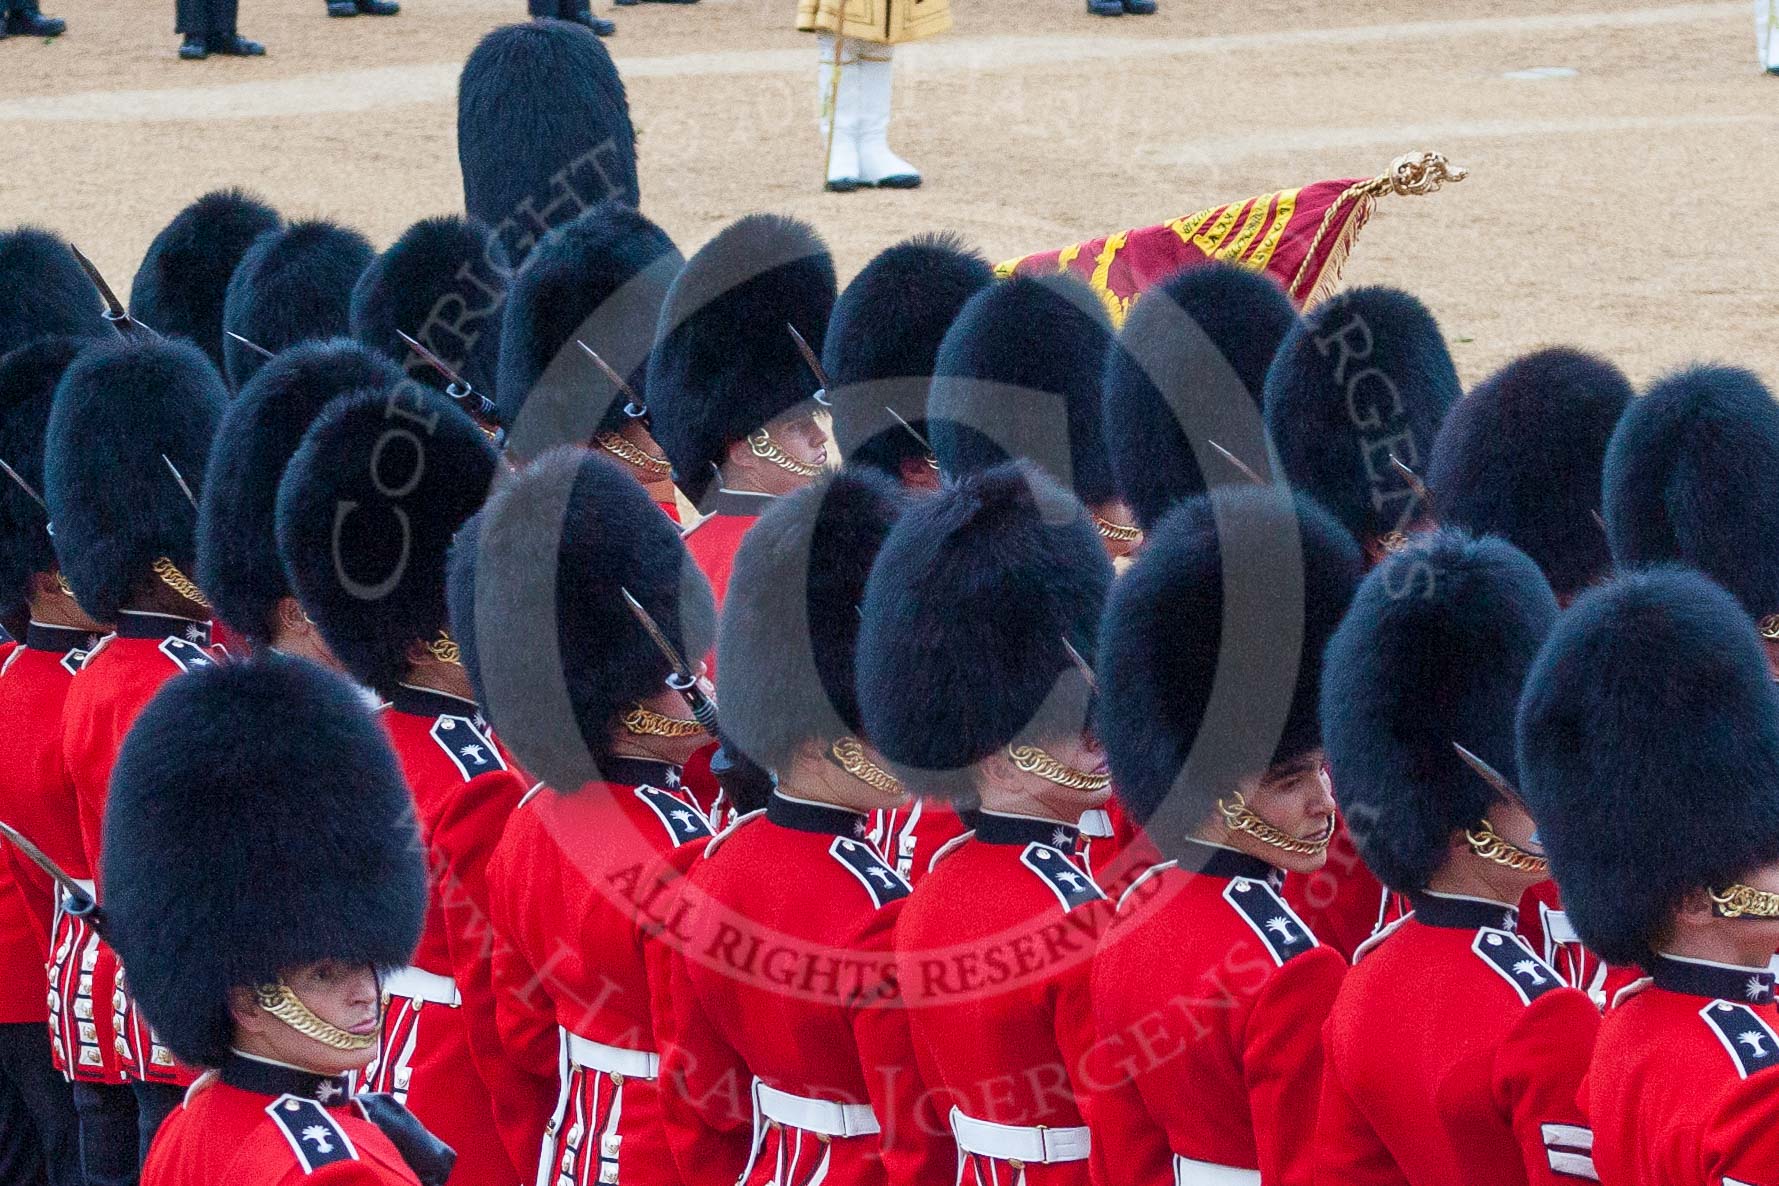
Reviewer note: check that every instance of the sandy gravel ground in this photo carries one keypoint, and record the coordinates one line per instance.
(1622, 201)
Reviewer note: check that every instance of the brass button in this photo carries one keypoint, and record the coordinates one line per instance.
(1015, 1164)
(617, 1079)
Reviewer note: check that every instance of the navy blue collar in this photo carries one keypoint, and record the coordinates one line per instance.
(141, 624)
(276, 1078)
(59, 640)
(1462, 914)
(803, 816)
(743, 504)
(1725, 982)
(424, 702)
(640, 772)
(1214, 860)
(995, 828)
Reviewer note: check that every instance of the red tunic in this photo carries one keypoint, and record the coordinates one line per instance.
(995, 953)
(908, 836)
(782, 979)
(1666, 1091)
(1545, 925)
(1209, 996)
(276, 1133)
(570, 890)
(714, 538)
(1343, 902)
(445, 1059)
(34, 680)
(119, 678)
(1453, 1055)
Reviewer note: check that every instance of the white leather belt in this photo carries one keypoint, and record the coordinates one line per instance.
(1188, 1172)
(417, 984)
(612, 1060)
(1031, 1144)
(823, 1117)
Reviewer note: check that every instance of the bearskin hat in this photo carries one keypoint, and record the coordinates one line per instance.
(1520, 457)
(122, 407)
(442, 283)
(238, 566)
(543, 130)
(28, 378)
(723, 363)
(258, 822)
(1649, 754)
(1433, 651)
(602, 280)
(1018, 375)
(789, 636)
(1363, 376)
(919, 286)
(961, 649)
(1692, 475)
(43, 291)
(294, 284)
(365, 514)
(1169, 637)
(184, 278)
(1190, 364)
(559, 543)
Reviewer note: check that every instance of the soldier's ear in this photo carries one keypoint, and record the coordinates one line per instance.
(244, 1008)
(1695, 912)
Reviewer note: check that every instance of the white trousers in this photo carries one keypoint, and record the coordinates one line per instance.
(1766, 28)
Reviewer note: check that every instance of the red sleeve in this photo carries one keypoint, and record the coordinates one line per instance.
(1282, 1062)
(344, 1173)
(1740, 1145)
(1537, 1086)
(705, 1088)
(1071, 1003)
(917, 1144)
(1348, 1150)
(462, 842)
(1129, 1147)
(1342, 903)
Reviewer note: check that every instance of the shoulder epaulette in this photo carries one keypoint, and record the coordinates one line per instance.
(1377, 937)
(1267, 915)
(1513, 959)
(1149, 874)
(684, 823)
(1751, 1043)
(730, 830)
(470, 749)
(315, 1137)
(946, 849)
(185, 654)
(1072, 886)
(883, 883)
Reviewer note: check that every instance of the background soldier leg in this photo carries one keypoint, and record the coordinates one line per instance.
(154, 1103)
(23, 19)
(37, 1093)
(1766, 27)
(108, 1137)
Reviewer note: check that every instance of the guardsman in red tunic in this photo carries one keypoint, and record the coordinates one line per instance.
(1209, 992)
(1649, 750)
(34, 680)
(600, 281)
(1362, 378)
(262, 869)
(365, 515)
(968, 689)
(578, 690)
(782, 978)
(238, 563)
(126, 416)
(1521, 457)
(1453, 1053)
(733, 403)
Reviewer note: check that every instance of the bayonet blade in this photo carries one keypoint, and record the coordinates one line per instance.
(180, 478)
(824, 396)
(251, 345)
(435, 362)
(912, 431)
(115, 312)
(1413, 480)
(38, 857)
(605, 368)
(1496, 780)
(668, 652)
(1081, 665)
(24, 485)
(1238, 463)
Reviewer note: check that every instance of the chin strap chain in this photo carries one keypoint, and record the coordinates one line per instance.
(281, 1001)
(1239, 817)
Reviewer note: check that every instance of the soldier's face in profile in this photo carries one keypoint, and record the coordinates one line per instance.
(346, 996)
(1296, 798)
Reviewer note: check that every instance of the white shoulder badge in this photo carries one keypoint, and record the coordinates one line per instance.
(1267, 915)
(883, 883)
(1071, 886)
(314, 1136)
(1515, 962)
(730, 830)
(946, 849)
(684, 823)
(186, 655)
(469, 748)
(1750, 1041)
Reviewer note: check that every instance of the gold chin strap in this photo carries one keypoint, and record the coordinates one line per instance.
(179, 582)
(444, 648)
(1117, 532)
(1392, 542)
(1033, 760)
(761, 445)
(62, 583)
(932, 463)
(1769, 627)
(851, 756)
(641, 458)
(1744, 901)
(1239, 817)
(282, 1002)
(1485, 843)
(646, 722)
